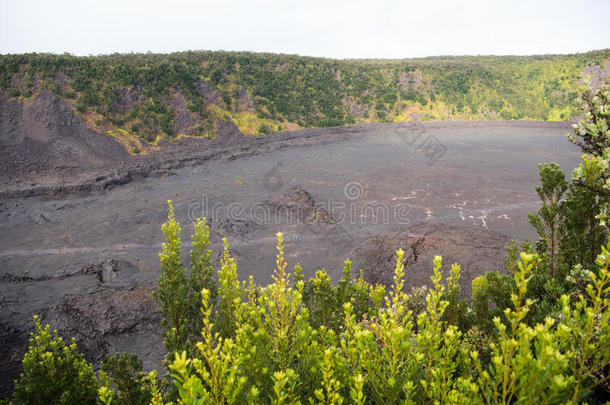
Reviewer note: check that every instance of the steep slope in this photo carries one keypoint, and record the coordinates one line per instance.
(43, 132)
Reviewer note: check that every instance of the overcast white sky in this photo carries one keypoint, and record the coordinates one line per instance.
(337, 29)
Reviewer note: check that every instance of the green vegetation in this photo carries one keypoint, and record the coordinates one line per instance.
(124, 370)
(54, 373)
(149, 93)
(591, 134)
(179, 295)
(540, 334)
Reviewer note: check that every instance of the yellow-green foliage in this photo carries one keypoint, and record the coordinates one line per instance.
(268, 350)
(480, 297)
(54, 372)
(251, 124)
(132, 143)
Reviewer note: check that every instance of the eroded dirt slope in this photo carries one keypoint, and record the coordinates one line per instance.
(44, 133)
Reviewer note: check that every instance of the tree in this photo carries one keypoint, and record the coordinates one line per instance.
(548, 219)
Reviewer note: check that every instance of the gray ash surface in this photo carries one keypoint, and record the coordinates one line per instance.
(80, 237)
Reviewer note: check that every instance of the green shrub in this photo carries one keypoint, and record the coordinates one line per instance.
(178, 294)
(264, 129)
(125, 372)
(274, 354)
(53, 372)
(591, 134)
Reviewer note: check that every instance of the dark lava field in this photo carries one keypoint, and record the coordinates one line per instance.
(85, 257)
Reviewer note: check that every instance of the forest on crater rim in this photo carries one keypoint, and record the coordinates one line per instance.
(144, 99)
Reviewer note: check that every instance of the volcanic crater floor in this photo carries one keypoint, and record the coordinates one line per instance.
(87, 263)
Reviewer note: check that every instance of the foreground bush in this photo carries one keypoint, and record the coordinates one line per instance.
(274, 355)
(54, 373)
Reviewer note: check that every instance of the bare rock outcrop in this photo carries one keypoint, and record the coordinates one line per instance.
(101, 306)
(45, 133)
(96, 320)
(244, 101)
(185, 121)
(232, 227)
(208, 92)
(299, 206)
(476, 250)
(411, 80)
(599, 75)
